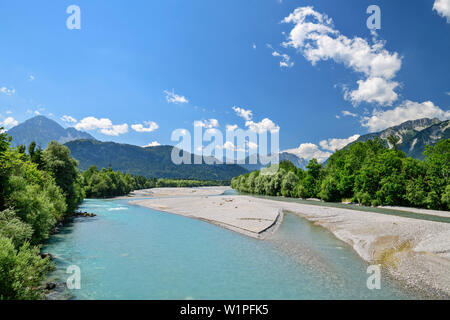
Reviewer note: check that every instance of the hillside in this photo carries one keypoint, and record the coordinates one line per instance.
(283, 156)
(414, 135)
(150, 162)
(43, 130)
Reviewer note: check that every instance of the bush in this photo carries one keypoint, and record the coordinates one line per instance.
(21, 271)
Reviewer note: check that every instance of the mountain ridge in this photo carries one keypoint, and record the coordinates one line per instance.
(154, 162)
(413, 135)
(42, 130)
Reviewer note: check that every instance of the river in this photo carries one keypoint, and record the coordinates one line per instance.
(131, 252)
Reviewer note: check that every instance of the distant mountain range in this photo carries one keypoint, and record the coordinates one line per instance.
(43, 130)
(283, 156)
(414, 135)
(153, 162)
(156, 161)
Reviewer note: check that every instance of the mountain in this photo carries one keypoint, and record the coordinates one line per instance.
(414, 135)
(43, 130)
(299, 162)
(153, 162)
(283, 156)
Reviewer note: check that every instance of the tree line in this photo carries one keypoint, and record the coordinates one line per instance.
(108, 183)
(40, 188)
(369, 173)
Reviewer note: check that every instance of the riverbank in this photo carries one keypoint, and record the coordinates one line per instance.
(414, 251)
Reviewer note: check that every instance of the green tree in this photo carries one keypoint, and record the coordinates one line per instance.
(64, 169)
(22, 271)
(14, 228)
(288, 185)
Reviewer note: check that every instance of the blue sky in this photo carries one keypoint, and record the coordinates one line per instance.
(129, 57)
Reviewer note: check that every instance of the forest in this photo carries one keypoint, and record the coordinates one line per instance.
(40, 189)
(368, 173)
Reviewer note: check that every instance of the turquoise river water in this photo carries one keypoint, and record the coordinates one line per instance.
(130, 252)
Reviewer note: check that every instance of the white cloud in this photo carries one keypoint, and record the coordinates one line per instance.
(115, 130)
(152, 144)
(171, 97)
(251, 145)
(378, 90)
(262, 126)
(7, 91)
(254, 46)
(346, 113)
(243, 113)
(68, 119)
(209, 124)
(36, 112)
(8, 111)
(247, 146)
(314, 35)
(229, 146)
(231, 127)
(31, 77)
(285, 59)
(8, 123)
(408, 110)
(442, 7)
(151, 126)
(335, 144)
(104, 125)
(309, 151)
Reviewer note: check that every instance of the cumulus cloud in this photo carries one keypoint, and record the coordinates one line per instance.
(285, 59)
(9, 122)
(172, 97)
(251, 145)
(243, 113)
(247, 146)
(442, 7)
(152, 144)
(335, 144)
(148, 126)
(103, 125)
(231, 127)
(374, 90)
(115, 130)
(309, 151)
(229, 146)
(347, 113)
(7, 91)
(314, 35)
(264, 125)
(408, 110)
(208, 124)
(68, 119)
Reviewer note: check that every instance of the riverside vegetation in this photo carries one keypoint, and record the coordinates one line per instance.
(38, 190)
(368, 173)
